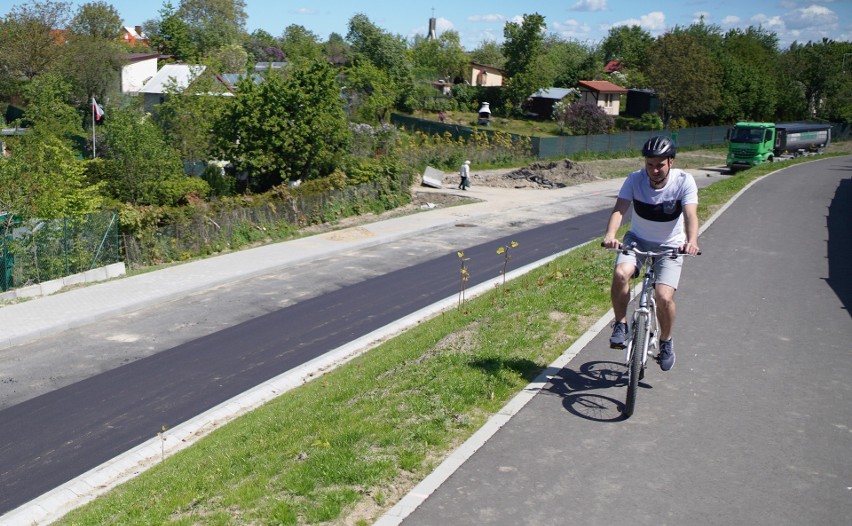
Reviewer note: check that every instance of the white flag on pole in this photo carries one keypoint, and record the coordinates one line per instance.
(99, 111)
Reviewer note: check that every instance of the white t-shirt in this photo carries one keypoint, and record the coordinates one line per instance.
(658, 214)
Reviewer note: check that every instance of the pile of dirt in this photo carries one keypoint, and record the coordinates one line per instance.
(539, 175)
(553, 174)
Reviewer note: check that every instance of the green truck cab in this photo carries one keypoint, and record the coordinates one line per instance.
(753, 143)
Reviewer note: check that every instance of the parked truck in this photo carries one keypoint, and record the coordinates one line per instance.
(752, 143)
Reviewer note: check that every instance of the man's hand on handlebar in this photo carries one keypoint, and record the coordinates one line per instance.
(689, 248)
(611, 242)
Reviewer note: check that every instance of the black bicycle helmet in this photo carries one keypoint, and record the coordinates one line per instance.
(659, 146)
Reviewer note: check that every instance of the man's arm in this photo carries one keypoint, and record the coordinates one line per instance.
(618, 211)
(690, 219)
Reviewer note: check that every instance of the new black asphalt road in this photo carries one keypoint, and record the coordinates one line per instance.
(752, 426)
(68, 431)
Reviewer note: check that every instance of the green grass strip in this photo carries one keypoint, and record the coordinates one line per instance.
(349, 444)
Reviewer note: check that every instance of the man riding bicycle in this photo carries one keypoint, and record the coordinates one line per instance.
(665, 214)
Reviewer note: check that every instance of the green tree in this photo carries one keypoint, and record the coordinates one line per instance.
(522, 47)
(48, 107)
(231, 58)
(140, 166)
(97, 20)
(686, 77)
(444, 56)
(43, 179)
(298, 43)
(817, 68)
(337, 50)
(170, 35)
(568, 61)
(188, 118)
(749, 79)
(289, 127)
(29, 43)
(628, 44)
(213, 24)
(489, 53)
(523, 43)
(263, 47)
(94, 55)
(372, 92)
(385, 51)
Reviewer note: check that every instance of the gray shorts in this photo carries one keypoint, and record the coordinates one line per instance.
(668, 269)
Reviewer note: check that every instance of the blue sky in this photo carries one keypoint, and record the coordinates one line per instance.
(477, 21)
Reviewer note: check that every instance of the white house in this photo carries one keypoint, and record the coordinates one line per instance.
(170, 76)
(482, 75)
(140, 68)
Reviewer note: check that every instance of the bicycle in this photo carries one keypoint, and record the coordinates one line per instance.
(644, 327)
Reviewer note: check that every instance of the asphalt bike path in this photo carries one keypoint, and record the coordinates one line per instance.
(752, 426)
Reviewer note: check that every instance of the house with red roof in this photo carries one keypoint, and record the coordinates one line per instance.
(602, 93)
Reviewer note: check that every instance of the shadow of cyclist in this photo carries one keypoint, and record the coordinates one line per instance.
(578, 390)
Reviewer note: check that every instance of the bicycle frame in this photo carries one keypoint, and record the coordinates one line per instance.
(645, 307)
(644, 328)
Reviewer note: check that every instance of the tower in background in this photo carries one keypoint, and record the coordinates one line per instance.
(432, 25)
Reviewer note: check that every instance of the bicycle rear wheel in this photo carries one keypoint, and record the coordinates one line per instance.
(634, 366)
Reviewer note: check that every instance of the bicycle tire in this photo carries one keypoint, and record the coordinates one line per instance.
(634, 366)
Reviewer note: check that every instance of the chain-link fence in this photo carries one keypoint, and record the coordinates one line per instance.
(37, 250)
(208, 230)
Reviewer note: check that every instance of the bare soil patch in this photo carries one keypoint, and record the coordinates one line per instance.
(538, 175)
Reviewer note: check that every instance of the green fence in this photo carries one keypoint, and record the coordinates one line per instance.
(552, 147)
(39, 250)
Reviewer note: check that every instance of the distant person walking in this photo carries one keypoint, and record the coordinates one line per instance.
(464, 172)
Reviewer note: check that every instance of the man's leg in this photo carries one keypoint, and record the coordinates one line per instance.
(620, 294)
(666, 309)
(620, 290)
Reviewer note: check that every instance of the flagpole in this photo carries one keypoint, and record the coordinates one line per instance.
(94, 146)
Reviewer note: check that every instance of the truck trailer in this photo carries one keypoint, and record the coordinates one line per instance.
(753, 143)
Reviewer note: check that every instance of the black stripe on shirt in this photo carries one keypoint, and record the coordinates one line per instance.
(661, 213)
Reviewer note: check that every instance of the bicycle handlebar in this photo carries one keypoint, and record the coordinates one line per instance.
(671, 252)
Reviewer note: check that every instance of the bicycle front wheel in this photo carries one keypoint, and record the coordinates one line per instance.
(634, 365)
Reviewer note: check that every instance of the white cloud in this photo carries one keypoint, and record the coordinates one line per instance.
(442, 24)
(571, 29)
(486, 18)
(589, 5)
(305, 11)
(731, 20)
(654, 22)
(771, 23)
(814, 17)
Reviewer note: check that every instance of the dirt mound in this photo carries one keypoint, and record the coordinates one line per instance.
(538, 175)
(553, 174)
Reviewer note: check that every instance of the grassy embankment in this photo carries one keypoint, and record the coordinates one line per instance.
(346, 446)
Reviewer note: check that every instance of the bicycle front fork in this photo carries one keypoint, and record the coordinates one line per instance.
(653, 332)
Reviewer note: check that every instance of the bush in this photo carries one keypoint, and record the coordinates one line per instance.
(648, 121)
(585, 118)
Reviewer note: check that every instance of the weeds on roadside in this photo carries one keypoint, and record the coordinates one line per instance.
(504, 250)
(464, 276)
